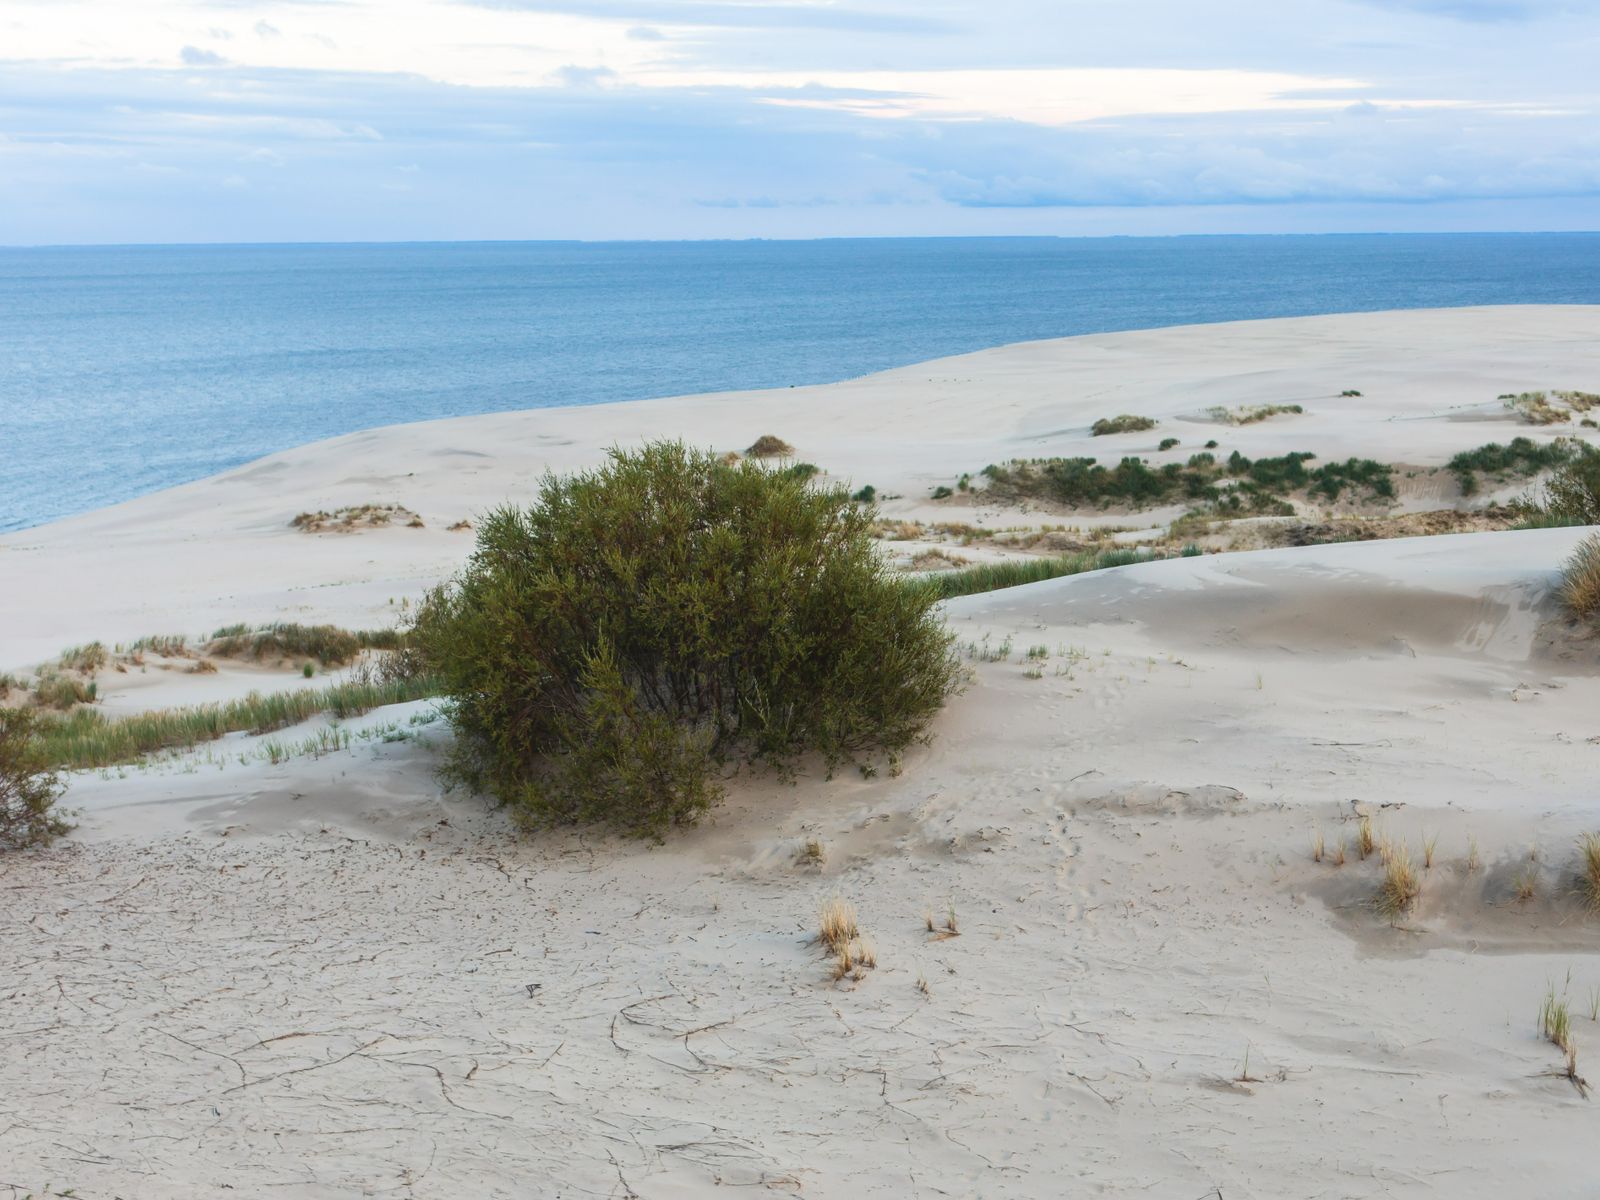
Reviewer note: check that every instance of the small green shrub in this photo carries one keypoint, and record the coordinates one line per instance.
(608, 652)
(29, 789)
(1348, 392)
(942, 493)
(989, 577)
(1167, 443)
(1126, 423)
(867, 495)
(802, 471)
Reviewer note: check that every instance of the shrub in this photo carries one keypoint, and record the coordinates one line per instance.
(29, 789)
(1573, 490)
(866, 495)
(802, 471)
(767, 446)
(1580, 578)
(1126, 423)
(63, 691)
(942, 493)
(608, 651)
(1167, 443)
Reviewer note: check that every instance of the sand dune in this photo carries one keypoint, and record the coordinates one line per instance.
(325, 977)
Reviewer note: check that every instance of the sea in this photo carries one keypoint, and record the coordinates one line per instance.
(126, 369)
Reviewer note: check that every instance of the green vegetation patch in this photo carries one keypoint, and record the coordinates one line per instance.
(1126, 423)
(328, 644)
(1520, 457)
(86, 737)
(1236, 485)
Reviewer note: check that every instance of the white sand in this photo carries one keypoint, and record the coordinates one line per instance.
(313, 979)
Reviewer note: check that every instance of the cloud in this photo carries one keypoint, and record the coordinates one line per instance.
(584, 77)
(1472, 10)
(741, 14)
(193, 56)
(267, 30)
(646, 33)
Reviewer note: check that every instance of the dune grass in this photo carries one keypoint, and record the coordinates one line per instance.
(1125, 423)
(87, 738)
(1250, 414)
(989, 577)
(327, 644)
(1400, 886)
(1580, 579)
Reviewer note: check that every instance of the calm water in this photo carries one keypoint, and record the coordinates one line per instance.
(123, 370)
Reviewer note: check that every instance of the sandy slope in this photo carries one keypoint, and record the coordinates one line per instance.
(325, 978)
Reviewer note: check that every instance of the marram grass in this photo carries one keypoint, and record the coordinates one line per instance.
(86, 737)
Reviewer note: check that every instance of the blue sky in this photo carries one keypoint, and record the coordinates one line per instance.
(271, 120)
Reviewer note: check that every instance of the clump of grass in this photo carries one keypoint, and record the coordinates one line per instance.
(63, 692)
(1337, 856)
(812, 854)
(86, 737)
(1589, 873)
(1474, 859)
(353, 517)
(768, 446)
(1366, 840)
(1251, 413)
(327, 644)
(1429, 845)
(1167, 443)
(1125, 423)
(86, 659)
(1319, 847)
(866, 494)
(1580, 578)
(169, 645)
(1349, 392)
(1526, 884)
(1400, 886)
(1535, 408)
(1555, 1019)
(802, 471)
(837, 924)
(942, 492)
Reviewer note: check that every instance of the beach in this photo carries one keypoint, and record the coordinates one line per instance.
(1116, 955)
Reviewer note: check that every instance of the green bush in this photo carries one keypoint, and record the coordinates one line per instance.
(610, 651)
(29, 789)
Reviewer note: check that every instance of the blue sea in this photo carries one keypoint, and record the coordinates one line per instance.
(127, 369)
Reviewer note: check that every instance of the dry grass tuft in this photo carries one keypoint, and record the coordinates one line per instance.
(1580, 578)
(1319, 846)
(1589, 880)
(838, 927)
(768, 446)
(1337, 857)
(1400, 886)
(1555, 1020)
(353, 517)
(1366, 840)
(812, 854)
(1526, 884)
(1474, 859)
(1429, 845)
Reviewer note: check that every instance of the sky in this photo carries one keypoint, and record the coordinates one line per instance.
(128, 121)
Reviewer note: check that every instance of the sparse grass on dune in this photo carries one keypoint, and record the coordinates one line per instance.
(86, 737)
(86, 659)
